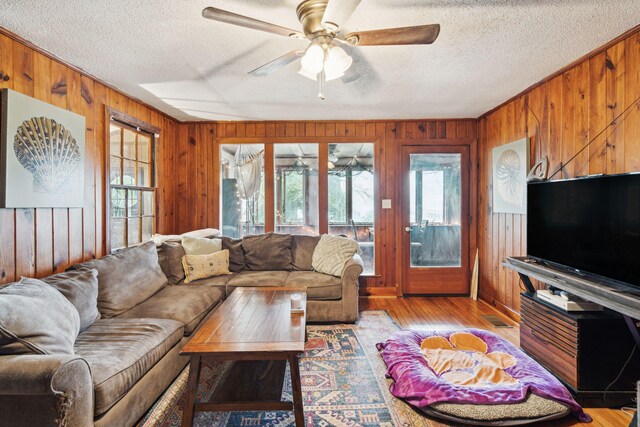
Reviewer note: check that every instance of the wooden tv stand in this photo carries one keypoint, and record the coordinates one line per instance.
(585, 350)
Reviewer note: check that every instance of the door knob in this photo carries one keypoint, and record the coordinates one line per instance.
(407, 229)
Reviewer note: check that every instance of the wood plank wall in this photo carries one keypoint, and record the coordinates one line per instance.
(38, 242)
(197, 169)
(572, 108)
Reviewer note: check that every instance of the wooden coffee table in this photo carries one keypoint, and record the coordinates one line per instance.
(255, 328)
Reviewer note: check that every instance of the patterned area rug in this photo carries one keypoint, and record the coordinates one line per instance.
(343, 384)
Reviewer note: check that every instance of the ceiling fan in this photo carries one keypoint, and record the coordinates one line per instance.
(324, 60)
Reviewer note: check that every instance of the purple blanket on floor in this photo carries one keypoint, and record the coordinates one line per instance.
(417, 383)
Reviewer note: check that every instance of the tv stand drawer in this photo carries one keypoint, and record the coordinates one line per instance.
(548, 354)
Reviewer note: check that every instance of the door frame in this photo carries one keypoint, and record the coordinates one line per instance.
(471, 144)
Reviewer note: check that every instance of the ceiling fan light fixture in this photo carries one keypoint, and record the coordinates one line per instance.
(304, 73)
(313, 59)
(337, 63)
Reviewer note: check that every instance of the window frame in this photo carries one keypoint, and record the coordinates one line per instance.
(125, 121)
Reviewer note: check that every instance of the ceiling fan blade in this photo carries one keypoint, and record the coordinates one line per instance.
(244, 21)
(277, 63)
(422, 34)
(338, 12)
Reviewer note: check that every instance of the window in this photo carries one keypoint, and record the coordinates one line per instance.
(351, 196)
(296, 192)
(294, 189)
(243, 189)
(132, 185)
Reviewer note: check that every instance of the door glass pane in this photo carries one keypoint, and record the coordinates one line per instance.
(435, 210)
(351, 196)
(242, 171)
(296, 192)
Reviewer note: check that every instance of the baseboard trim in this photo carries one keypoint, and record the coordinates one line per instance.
(378, 292)
(509, 312)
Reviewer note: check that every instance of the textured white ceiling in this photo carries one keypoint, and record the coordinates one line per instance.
(166, 54)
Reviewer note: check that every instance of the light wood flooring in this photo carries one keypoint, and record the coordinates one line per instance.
(448, 312)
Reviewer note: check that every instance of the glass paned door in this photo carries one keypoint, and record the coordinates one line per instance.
(436, 233)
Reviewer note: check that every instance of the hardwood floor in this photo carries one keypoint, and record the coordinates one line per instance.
(450, 312)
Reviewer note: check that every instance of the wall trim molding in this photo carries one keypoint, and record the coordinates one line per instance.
(509, 312)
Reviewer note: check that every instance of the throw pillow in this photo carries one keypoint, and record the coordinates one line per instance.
(203, 266)
(126, 278)
(200, 245)
(268, 252)
(36, 319)
(170, 259)
(332, 253)
(236, 253)
(302, 248)
(203, 232)
(80, 287)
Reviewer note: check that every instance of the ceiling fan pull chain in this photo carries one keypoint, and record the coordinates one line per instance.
(321, 80)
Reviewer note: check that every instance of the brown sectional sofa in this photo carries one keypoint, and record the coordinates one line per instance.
(127, 358)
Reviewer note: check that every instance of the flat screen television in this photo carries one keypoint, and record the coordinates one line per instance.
(589, 225)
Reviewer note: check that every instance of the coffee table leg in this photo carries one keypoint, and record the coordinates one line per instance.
(296, 387)
(191, 392)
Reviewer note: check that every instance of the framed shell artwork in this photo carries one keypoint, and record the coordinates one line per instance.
(510, 168)
(41, 154)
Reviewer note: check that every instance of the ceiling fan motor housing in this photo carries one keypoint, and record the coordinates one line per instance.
(310, 13)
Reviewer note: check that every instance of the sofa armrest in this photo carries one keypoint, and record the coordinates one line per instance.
(46, 390)
(352, 271)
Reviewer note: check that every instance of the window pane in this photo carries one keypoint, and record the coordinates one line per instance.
(351, 196)
(144, 148)
(117, 234)
(118, 202)
(296, 192)
(337, 199)
(147, 203)
(133, 230)
(144, 175)
(242, 171)
(363, 202)
(134, 203)
(147, 228)
(115, 176)
(115, 147)
(129, 172)
(129, 144)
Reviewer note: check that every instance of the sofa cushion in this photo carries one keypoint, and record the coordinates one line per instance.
(200, 245)
(215, 281)
(332, 253)
(120, 351)
(236, 253)
(126, 278)
(170, 259)
(267, 252)
(204, 266)
(256, 278)
(80, 287)
(302, 248)
(319, 286)
(186, 304)
(35, 318)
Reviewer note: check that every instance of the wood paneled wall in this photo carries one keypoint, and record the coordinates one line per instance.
(198, 169)
(37, 242)
(572, 108)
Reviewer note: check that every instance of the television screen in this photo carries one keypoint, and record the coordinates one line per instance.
(590, 224)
